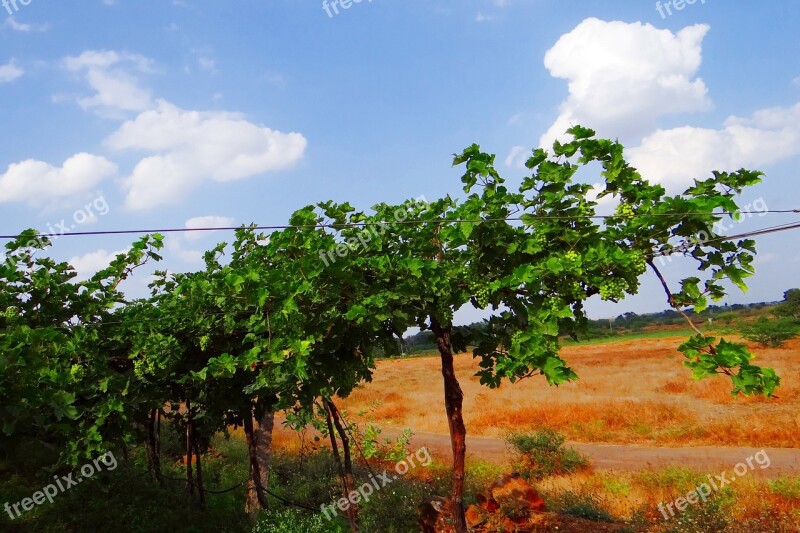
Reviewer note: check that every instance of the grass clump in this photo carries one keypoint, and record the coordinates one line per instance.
(786, 486)
(542, 453)
(586, 506)
(296, 521)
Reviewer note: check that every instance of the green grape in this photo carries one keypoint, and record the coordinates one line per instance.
(77, 372)
(639, 263)
(613, 289)
(577, 288)
(625, 210)
(481, 293)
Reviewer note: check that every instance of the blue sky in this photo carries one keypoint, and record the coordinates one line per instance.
(199, 112)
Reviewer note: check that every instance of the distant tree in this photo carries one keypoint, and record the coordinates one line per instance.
(770, 332)
(790, 305)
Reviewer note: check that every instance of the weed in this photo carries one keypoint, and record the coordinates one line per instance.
(586, 506)
(541, 454)
(786, 486)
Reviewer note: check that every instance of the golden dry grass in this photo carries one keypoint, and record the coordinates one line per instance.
(633, 391)
(626, 494)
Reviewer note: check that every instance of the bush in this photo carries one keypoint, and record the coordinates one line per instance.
(787, 487)
(393, 509)
(709, 517)
(770, 333)
(541, 454)
(296, 521)
(586, 506)
(312, 481)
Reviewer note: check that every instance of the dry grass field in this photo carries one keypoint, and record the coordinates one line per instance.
(633, 392)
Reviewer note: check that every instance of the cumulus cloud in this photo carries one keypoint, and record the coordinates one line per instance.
(90, 263)
(179, 148)
(623, 77)
(36, 182)
(677, 156)
(517, 157)
(12, 23)
(210, 221)
(189, 147)
(10, 72)
(110, 75)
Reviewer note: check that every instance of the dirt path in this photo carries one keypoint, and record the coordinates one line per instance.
(710, 459)
(627, 458)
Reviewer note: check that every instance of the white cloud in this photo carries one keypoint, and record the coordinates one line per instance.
(179, 148)
(173, 248)
(116, 89)
(90, 263)
(517, 157)
(796, 81)
(12, 23)
(276, 79)
(36, 182)
(677, 156)
(622, 77)
(10, 72)
(207, 63)
(480, 17)
(210, 221)
(190, 147)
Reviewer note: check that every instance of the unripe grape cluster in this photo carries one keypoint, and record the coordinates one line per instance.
(555, 304)
(639, 263)
(625, 210)
(481, 293)
(613, 289)
(444, 313)
(141, 367)
(77, 372)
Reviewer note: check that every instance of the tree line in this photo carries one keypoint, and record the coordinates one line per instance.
(266, 326)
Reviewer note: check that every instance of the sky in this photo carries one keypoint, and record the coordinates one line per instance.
(139, 114)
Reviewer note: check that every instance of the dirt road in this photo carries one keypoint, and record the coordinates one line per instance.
(708, 459)
(627, 458)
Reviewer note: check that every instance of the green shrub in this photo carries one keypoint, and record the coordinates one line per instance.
(586, 506)
(770, 333)
(708, 517)
(296, 521)
(541, 454)
(393, 509)
(788, 487)
(311, 481)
